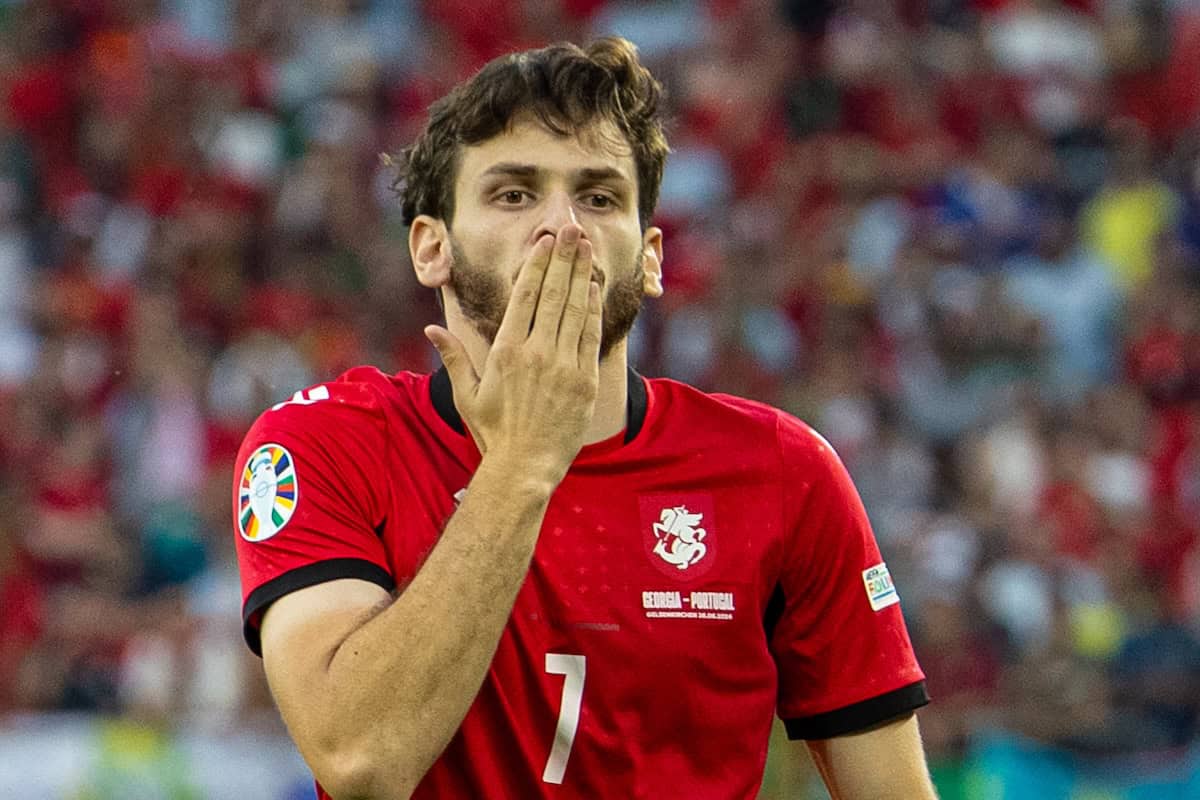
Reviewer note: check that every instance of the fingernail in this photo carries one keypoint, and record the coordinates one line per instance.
(570, 235)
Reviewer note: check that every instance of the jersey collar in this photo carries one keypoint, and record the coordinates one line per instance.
(441, 392)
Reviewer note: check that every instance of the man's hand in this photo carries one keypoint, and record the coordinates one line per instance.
(537, 392)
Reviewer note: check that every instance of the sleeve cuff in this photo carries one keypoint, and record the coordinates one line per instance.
(300, 578)
(859, 716)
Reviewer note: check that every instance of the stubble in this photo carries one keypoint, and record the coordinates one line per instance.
(483, 296)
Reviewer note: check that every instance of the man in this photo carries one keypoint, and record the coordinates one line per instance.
(535, 573)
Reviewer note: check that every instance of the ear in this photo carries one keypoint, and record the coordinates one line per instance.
(429, 246)
(652, 252)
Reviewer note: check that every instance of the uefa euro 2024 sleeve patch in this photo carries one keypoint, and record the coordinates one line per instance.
(880, 589)
(268, 493)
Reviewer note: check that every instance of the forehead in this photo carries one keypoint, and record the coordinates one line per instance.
(526, 141)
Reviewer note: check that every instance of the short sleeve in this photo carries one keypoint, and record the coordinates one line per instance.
(838, 637)
(309, 498)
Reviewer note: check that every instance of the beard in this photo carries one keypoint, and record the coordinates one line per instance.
(483, 297)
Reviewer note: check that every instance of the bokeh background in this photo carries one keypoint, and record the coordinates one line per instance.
(960, 237)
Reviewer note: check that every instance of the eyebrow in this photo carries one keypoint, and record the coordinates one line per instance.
(596, 174)
(512, 169)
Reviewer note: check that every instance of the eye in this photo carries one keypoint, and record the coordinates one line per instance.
(511, 198)
(600, 201)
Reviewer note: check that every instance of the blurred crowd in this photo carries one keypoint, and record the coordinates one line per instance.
(959, 237)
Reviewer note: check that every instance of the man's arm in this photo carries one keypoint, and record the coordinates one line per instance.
(372, 689)
(886, 762)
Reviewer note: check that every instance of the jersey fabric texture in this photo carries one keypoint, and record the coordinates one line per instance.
(705, 570)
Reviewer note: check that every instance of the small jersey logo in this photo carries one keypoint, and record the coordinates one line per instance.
(881, 592)
(679, 536)
(268, 494)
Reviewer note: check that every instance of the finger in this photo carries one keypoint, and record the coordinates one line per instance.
(462, 373)
(523, 301)
(556, 284)
(574, 315)
(589, 340)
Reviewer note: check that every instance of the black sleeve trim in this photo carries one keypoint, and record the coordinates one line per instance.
(860, 716)
(300, 578)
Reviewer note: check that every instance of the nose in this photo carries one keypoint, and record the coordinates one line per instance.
(558, 211)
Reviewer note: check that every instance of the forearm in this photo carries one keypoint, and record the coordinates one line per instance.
(397, 688)
(883, 763)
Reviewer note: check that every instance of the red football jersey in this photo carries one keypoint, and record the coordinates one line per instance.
(695, 575)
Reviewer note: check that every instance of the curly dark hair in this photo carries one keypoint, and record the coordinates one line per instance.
(566, 88)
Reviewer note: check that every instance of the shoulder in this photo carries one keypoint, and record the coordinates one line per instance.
(358, 395)
(737, 419)
(352, 409)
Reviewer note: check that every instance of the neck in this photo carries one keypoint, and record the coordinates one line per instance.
(612, 397)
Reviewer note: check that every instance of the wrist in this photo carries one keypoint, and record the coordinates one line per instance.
(517, 476)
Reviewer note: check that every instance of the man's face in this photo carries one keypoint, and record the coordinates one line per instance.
(514, 188)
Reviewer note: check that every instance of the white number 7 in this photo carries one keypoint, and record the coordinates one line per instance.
(574, 669)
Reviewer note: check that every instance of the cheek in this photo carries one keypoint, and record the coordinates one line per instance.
(617, 253)
(493, 252)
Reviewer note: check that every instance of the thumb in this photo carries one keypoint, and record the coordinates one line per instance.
(454, 356)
